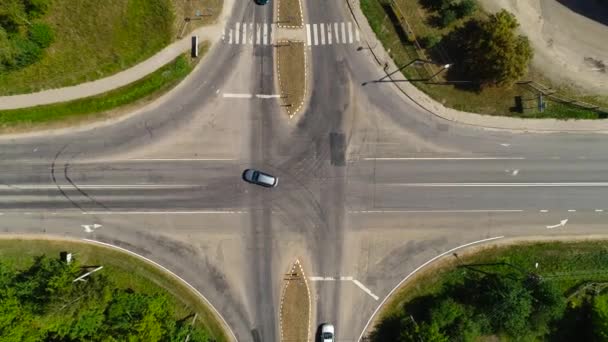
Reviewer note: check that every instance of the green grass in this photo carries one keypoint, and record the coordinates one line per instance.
(94, 39)
(97, 107)
(491, 101)
(568, 264)
(125, 270)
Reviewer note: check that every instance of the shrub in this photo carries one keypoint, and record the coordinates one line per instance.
(448, 16)
(430, 41)
(465, 8)
(41, 34)
(26, 52)
(36, 8)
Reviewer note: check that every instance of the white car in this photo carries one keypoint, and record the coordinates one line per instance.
(327, 332)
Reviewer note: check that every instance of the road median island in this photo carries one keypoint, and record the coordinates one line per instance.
(295, 306)
(289, 14)
(125, 279)
(291, 74)
(104, 106)
(533, 290)
(418, 36)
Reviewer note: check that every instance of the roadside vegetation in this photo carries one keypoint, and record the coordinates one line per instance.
(104, 105)
(552, 291)
(291, 67)
(488, 62)
(88, 39)
(127, 299)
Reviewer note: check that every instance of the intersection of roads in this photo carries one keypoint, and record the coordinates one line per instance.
(372, 186)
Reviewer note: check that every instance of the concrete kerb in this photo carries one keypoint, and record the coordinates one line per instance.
(122, 78)
(279, 24)
(488, 122)
(291, 112)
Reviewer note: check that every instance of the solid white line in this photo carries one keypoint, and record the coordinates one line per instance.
(336, 33)
(264, 96)
(251, 33)
(179, 159)
(365, 289)
(258, 34)
(599, 210)
(343, 33)
(434, 211)
(244, 33)
(416, 270)
(329, 33)
(571, 210)
(357, 37)
(346, 278)
(93, 186)
(230, 36)
(237, 31)
(322, 29)
(172, 274)
(544, 210)
(499, 185)
(265, 36)
(308, 40)
(448, 158)
(314, 30)
(350, 32)
(199, 212)
(238, 96)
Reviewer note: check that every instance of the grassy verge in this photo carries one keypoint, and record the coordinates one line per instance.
(125, 270)
(101, 106)
(94, 39)
(295, 307)
(289, 13)
(291, 67)
(567, 264)
(491, 101)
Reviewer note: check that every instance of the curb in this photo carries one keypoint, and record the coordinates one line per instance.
(482, 121)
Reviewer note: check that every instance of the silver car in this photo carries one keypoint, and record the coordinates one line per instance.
(260, 178)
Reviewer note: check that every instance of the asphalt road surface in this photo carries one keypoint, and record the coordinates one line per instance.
(371, 186)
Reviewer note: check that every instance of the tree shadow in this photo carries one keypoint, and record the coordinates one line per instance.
(596, 10)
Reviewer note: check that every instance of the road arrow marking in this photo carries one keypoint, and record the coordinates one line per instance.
(90, 228)
(560, 224)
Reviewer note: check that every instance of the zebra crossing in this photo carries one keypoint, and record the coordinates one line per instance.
(320, 34)
(331, 33)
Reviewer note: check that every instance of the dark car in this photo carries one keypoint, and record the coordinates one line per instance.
(261, 2)
(260, 178)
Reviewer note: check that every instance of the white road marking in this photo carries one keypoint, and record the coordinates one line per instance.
(237, 96)
(434, 211)
(251, 33)
(357, 37)
(544, 210)
(599, 210)
(272, 28)
(244, 33)
(571, 210)
(223, 34)
(230, 36)
(515, 172)
(365, 289)
(88, 228)
(194, 212)
(351, 279)
(322, 29)
(505, 145)
(258, 34)
(224, 323)
(499, 185)
(265, 96)
(314, 35)
(329, 33)
(237, 31)
(308, 39)
(336, 33)
(343, 33)
(560, 224)
(350, 32)
(447, 158)
(413, 272)
(18, 187)
(265, 36)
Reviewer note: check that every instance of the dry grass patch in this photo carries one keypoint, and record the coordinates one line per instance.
(295, 307)
(289, 13)
(201, 12)
(291, 70)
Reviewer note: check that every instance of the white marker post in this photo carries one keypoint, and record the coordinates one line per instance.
(194, 46)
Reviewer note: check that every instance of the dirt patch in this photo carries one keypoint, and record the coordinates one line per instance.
(291, 73)
(289, 14)
(295, 306)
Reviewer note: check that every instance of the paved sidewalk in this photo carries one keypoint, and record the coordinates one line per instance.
(378, 53)
(211, 33)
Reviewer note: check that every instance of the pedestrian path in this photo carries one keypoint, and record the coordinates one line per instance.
(317, 35)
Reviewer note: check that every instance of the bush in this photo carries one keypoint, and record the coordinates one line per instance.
(448, 16)
(36, 8)
(26, 52)
(465, 8)
(41, 34)
(430, 41)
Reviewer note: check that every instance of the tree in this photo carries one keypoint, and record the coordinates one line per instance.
(490, 52)
(447, 17)
(599, 317)
(465, 8)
